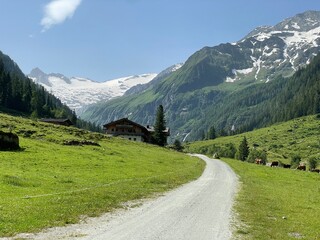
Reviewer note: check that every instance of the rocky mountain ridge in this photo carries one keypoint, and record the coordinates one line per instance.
(215, 77)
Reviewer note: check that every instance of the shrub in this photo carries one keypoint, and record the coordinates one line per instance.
(177, 145)
(254, 154)
(229, 151)
(295, 160)
(312, 163)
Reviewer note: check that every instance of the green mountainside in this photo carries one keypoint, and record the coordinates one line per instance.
(21, 96)
(280, 141)
(241, 86)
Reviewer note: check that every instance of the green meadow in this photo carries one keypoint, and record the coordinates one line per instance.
(274, 203)
(281, 141)
(48, 183)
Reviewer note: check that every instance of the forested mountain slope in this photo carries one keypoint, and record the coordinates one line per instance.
(234, 85)
(21, 95)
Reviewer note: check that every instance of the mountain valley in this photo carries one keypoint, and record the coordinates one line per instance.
(224, 85)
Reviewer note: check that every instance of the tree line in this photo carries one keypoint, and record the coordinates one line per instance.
(22, 95)
(264, 104)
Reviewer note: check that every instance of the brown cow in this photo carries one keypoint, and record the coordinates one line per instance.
(315, 170)
(259, 161)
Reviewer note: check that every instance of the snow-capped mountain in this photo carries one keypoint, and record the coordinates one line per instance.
(78, 92)
(283, 48)
(198, 95)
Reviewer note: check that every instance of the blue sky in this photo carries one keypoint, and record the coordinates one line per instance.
(107, 39)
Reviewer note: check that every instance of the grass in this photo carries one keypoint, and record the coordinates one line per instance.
(281, 141)
(50, 184)
(275, 203)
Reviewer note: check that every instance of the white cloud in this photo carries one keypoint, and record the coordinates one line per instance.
(57, 11)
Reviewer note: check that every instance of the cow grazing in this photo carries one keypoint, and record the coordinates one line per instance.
(315, 170)
(259, 161)
(274, 164)
(286, 166)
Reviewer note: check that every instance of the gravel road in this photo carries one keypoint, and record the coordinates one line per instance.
(199, 210)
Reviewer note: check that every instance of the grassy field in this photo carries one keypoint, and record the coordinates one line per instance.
(281, 141)
(275, 203)
(49, 184)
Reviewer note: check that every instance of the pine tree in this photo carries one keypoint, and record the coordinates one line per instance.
(211, 133)
(243, 151)
(159, 128)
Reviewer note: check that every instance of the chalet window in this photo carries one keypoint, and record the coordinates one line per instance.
(134, 139)
(129, 138)
(112, 129)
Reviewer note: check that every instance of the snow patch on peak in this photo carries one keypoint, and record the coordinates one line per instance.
(245, 71)
(262, 36)
(177, 67)
(295, 25)
(78, 92)
(230, 80)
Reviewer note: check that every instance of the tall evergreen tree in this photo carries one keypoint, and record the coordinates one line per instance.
(160, 127)
(243, 151)
(211, 133)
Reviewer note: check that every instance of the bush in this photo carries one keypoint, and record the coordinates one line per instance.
(312, 163)
(254, 154)
(228, 151)
(177, 145)
(295, 161)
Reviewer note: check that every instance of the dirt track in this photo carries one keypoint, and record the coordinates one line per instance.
(198, 210)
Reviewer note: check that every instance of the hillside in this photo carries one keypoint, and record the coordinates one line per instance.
(19, 95)
(281, 141)
(60, 175)
(285, 202)
(228, 85)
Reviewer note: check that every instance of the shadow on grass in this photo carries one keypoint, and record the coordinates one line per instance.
(13, 150)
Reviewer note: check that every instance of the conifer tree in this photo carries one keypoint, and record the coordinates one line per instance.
(211, 133)
(243, 151)
(159, 128)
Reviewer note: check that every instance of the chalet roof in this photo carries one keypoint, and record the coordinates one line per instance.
(56, 120)
(124, 120)
(148, 128)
